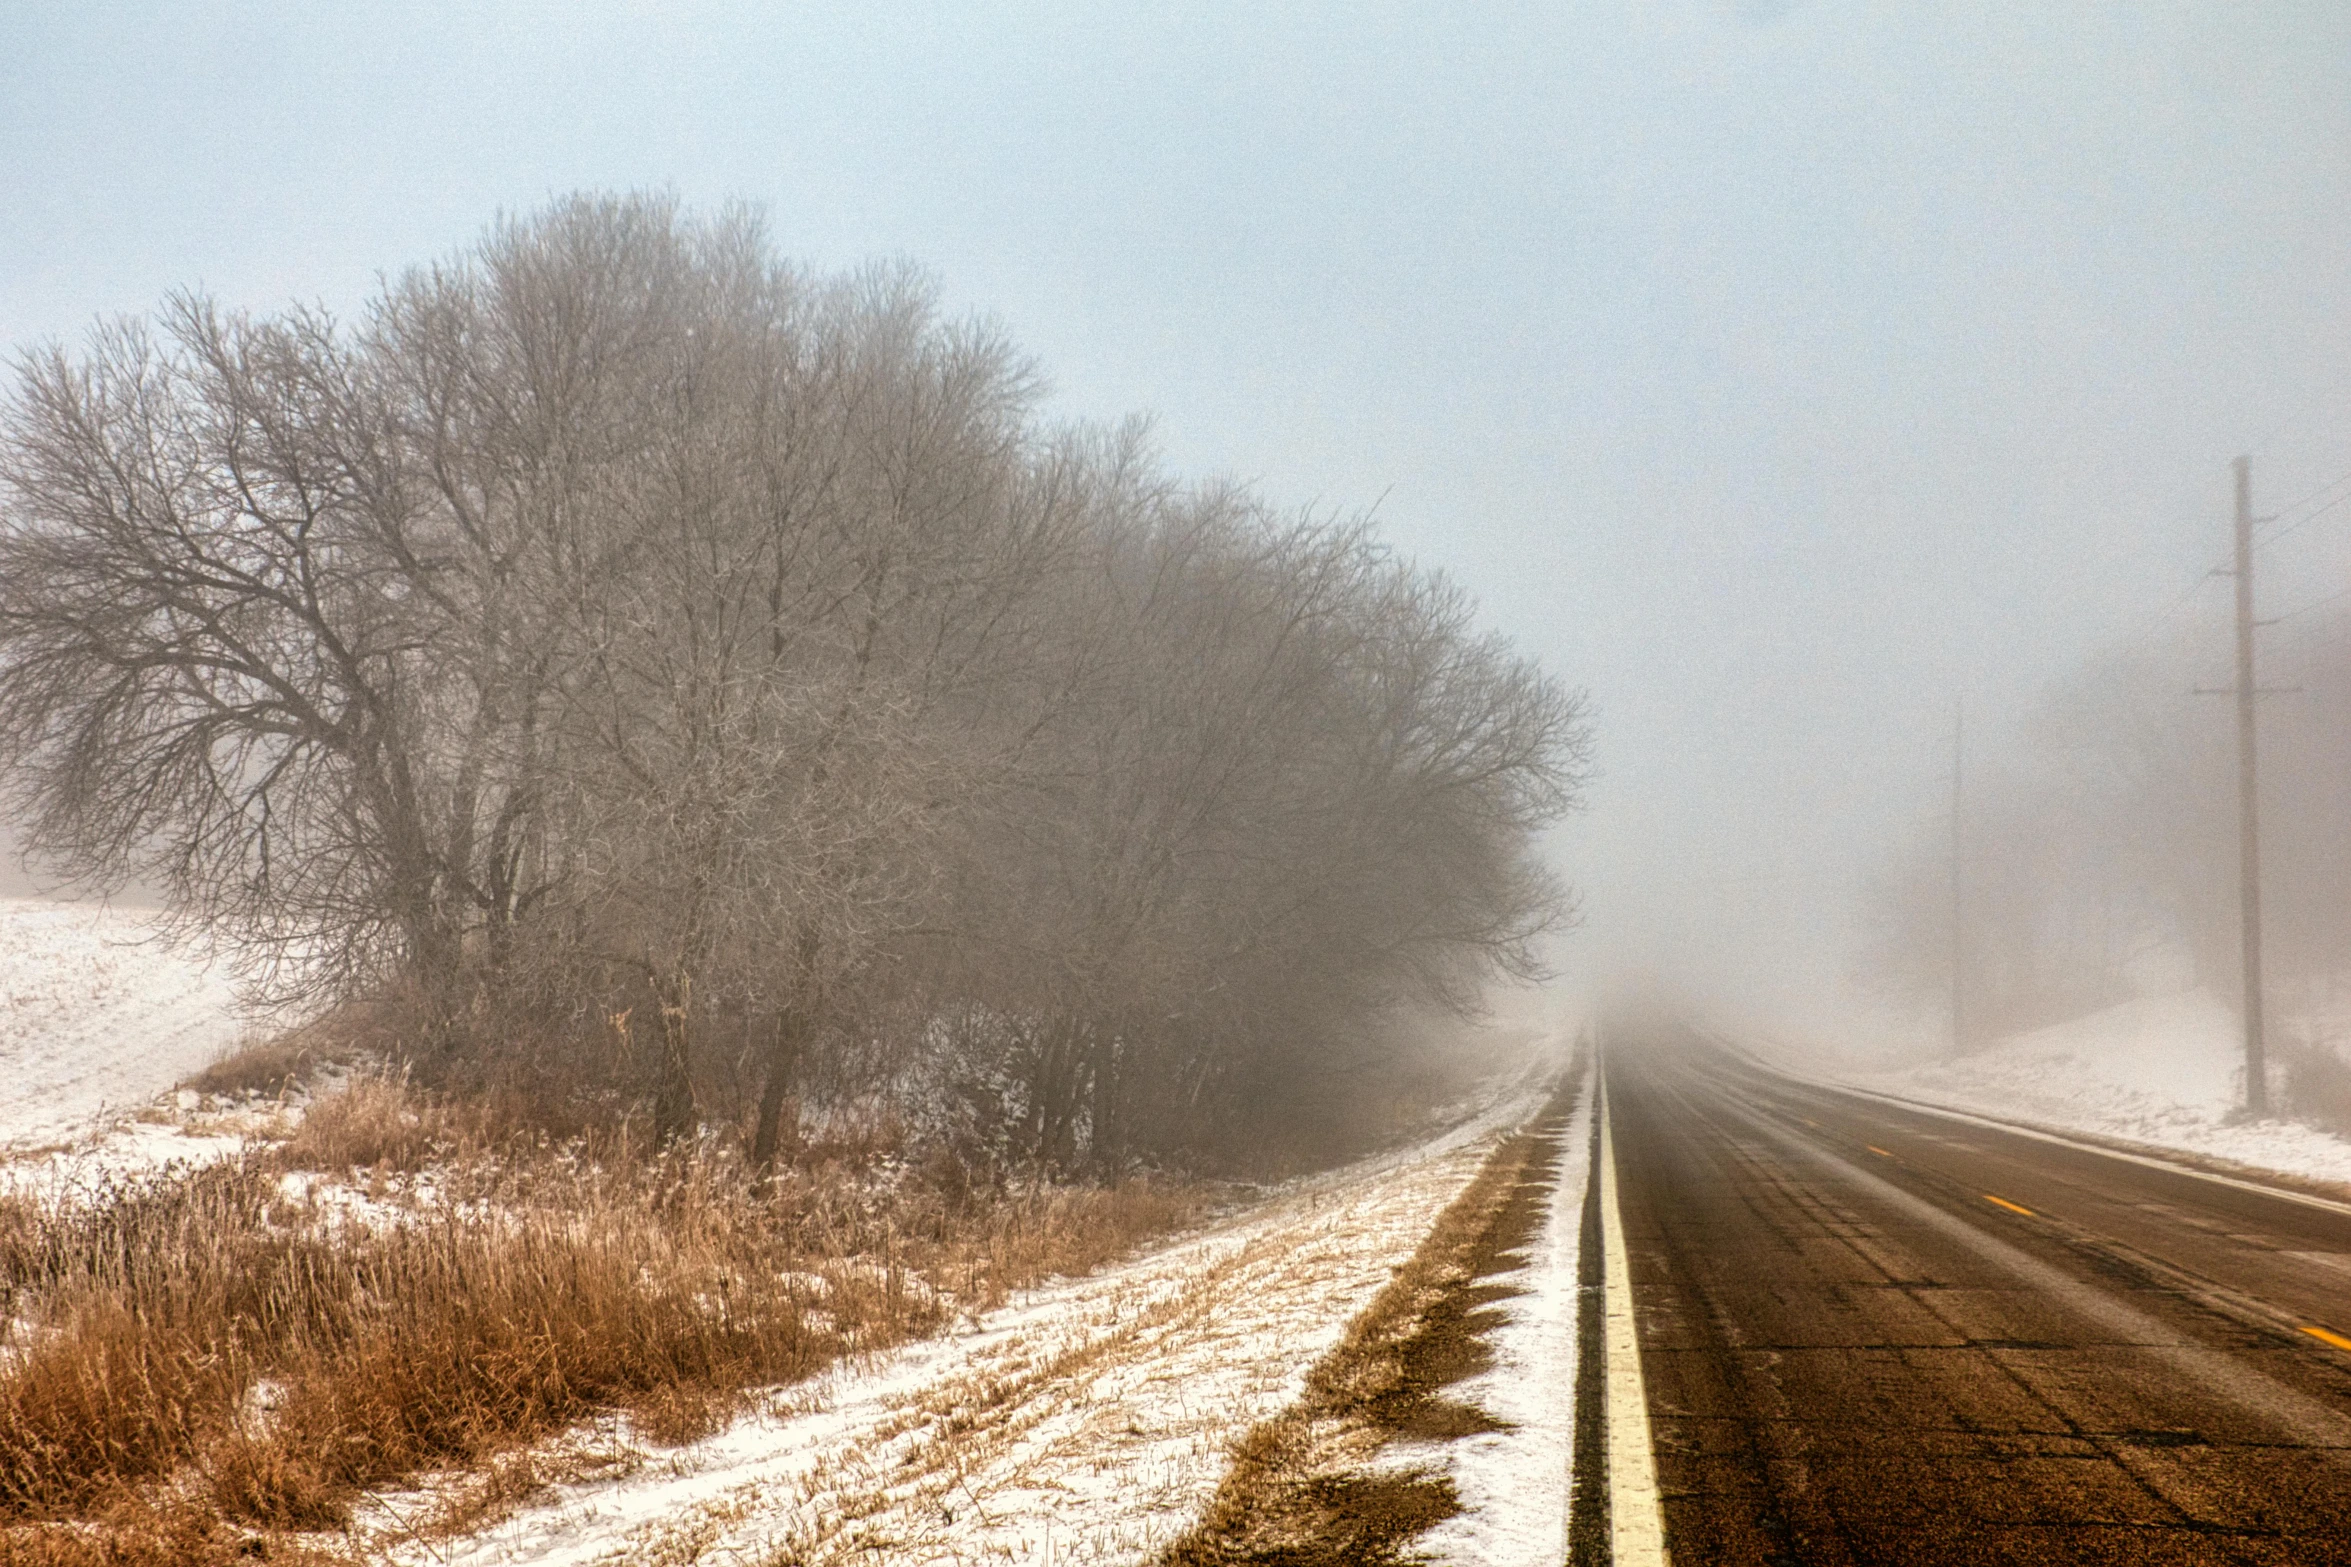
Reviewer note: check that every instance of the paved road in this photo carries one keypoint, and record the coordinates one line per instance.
(1878, 1336)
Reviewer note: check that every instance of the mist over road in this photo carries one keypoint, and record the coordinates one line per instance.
(1876, 1335)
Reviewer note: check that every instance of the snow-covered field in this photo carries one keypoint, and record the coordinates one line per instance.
(2166, 1071)
(94, 1017)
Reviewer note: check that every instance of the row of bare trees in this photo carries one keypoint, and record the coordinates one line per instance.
(2099, 844)
(617, 633)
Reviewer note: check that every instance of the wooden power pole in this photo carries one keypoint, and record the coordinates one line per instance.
(2248, 810)
(1958, 881)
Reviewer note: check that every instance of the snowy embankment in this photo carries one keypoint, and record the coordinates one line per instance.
(1086, 1422)
(96, 1016)
(2166, 1071)
(1513, 1482)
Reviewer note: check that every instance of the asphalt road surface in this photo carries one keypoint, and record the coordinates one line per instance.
(1876, 1335)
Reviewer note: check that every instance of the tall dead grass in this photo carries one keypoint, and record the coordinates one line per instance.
(274, 1063)
(215, 1358)
(2317, 1083)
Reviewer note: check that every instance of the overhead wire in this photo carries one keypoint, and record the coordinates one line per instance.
(2328, 496)
(2162, 617)
(2284, 514)
(2327, 634)
(2322, 638)
(2343, 484)
(2299, 414)
(2300, 610)
(2286, 521)
(2311, 494)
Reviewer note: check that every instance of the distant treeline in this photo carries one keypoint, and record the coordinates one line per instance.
(2099, 842)
(678, 680)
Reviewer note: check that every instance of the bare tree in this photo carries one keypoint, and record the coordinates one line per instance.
(218, 624)
(621, 622)
(1293, 787)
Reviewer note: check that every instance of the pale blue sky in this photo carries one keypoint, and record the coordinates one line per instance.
(1778, 371)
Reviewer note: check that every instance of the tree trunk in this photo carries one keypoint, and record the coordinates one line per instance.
(795, 1023)
(791, 1032)
(674, 1114)
(1058, 1093)
(1107, 1147)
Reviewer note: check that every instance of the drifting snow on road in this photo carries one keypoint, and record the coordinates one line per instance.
(1089, 1421)
(96, 1016)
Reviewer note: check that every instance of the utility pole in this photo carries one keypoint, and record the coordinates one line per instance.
(2248, 810)
(1958, 880)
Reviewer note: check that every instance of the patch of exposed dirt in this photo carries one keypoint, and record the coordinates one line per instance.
(1305, 1489)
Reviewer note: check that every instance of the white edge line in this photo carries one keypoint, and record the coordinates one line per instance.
(2020, 1129)
(1636, 1527)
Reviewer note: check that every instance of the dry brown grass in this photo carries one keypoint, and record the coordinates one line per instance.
(204, 1360)
(266, 1068)
(1302, 1490)
(271, 1064)
(2318, 1083)
(372, 1123)
(376, 1122)
(145, 1534)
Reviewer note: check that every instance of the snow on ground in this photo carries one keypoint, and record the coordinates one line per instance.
(1088, 1421)
(1085, 1422)
(1513, 1483)
(96, 1017)
(2165, 1070)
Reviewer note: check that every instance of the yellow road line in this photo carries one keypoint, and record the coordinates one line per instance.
(2324, 1337)
(1875, 1149)
(2010, 1206)
(1636, 1518)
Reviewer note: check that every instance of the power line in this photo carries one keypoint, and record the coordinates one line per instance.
(2261, 446)
(2196, 585)
(2314, 604)
(2299, 501)
(2203, 579)
(2312, 647)
(2320, 639)
(2309, 517)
